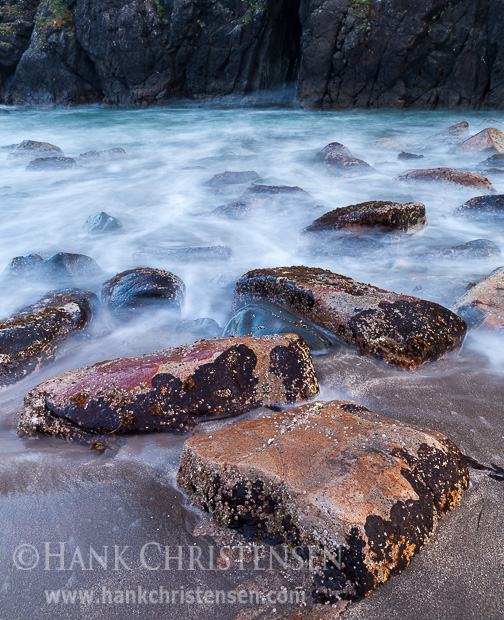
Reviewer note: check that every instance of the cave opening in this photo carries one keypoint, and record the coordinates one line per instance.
(278, 54)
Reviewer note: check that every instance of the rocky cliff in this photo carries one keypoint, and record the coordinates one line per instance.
(341, 53)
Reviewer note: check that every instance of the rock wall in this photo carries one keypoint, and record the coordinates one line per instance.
(341, 53)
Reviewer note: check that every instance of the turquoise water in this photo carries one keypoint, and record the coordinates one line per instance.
(159, 194)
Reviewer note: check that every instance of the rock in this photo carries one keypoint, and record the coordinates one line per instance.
(483, 304)
(104, 155)
(4, 111)
(479, 249)
(333, 147)
(263, 318)
(199, 328)
(447, 176)
(275, 197)
(487, 140)
(404, 155)
(32, 337)
(488, 208)
(214, 253)
(400, 330)
(453, 136)
(496, 160)
(488, 172)
(234, 211)
(232, 178)
(52, 163)
(343, 245)
(171, 390)
(408, 217)
(350, 487)
(63, 267)
(341, 165)
(32, 149)
(101, 223)
(389, 143)
(141, 290)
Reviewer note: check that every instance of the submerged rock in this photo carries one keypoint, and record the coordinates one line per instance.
(52, 163)
(232, 178)
(199, 328)
(345, 484)
(263, 318)
(400, 330)
(452, 136)
(275, 196)
(479, 249)
(333, 147)
(446, 175)
(483, 304)
(113, 154)
(171, 390)
(32, 149)
(404, 155)
(101, 223)
(487, 140)
(135, 291)
(24, 266)
(183, 255)
(234, 211)
(496, 160)
(32, 336)
(61, 267)
(341, 165)
(408, 217)
(343, 245)
(487, 208)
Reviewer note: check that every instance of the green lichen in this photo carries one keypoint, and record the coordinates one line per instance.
(54, 14)
(363, 11)
(160, 11)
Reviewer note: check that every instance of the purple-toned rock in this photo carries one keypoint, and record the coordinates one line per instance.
(483, 304)
(345, 484)
(232, 178)
(447, 176)
(234, 211)
(171, 390)
(32, 337)
(52, 163)
(105, 155)
(490, 139)
(145, 289)
(31, 149)
(341, 165)
(494, 161)
(452, 136)
(333, 147)
(400, 330)
(408, 217)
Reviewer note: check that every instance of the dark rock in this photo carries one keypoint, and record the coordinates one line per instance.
(333, 147)
(479, 249)
(62, 267)
(232, 178)
(408, 217)
(447, 176)
(404, 155)
(483, 304)
(234, 211)
(264, 318)
(31, 149)
(102, 223)
(171, 390)
(400, 330)
(183, 255)
(113, 154)
(359, 492)
(4, 111)
(141, 290)
(496, 160)
(341, 165)
(275, 197)
(33, 336)
(487, 208)
(52, 163)
(199, 328)
(487, 140)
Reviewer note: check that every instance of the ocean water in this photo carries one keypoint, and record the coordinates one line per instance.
(51, 491)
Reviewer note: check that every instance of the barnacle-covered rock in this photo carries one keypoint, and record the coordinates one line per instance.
(172, 389)
(400, 330)
(487, 208)
(449, 176)
(490, 139)
(144, 289)
(408, 217)
(32, 336)
(348, 486)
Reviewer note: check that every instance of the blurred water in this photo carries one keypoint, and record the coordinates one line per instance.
(160, 196)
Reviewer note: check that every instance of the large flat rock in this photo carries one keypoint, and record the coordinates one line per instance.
(172, 389)
(400, 330)
(483, 304)
(333, 478)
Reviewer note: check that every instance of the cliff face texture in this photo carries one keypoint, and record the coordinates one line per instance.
(341, 53)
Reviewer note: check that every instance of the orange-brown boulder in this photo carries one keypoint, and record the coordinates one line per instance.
(448, 176)
(490, 139)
